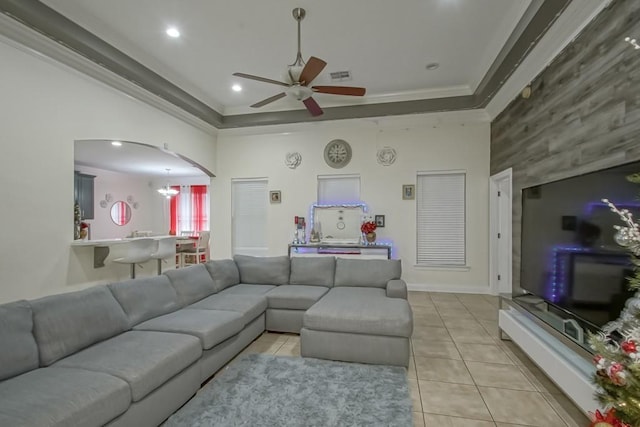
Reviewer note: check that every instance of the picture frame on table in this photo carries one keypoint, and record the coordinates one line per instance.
(379, 219)
(408, 192)
(275, 196)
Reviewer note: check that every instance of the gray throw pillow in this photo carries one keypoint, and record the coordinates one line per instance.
(224, 273)
(18, 348)
(67, 323)
(191, 283)
(263, 270)
(318, 271)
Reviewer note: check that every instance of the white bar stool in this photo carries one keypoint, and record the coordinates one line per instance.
(166, 249)
(137, 251)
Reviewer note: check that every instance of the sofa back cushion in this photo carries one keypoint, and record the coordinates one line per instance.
(191, 283)
(224, 273)
(66, 323)
(367, 272)
(18, 348)
(145, 298)
(263, 270)
(317, 271)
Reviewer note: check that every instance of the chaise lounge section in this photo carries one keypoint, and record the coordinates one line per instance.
(364, 318)
(131, 353)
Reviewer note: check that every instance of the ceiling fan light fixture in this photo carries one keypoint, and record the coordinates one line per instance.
(299, 76)
(293, 72)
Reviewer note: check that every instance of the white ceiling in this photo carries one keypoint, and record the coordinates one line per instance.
(386, 45)
(132, 158)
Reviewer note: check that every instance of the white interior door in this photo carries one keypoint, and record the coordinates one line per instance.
(501, 237)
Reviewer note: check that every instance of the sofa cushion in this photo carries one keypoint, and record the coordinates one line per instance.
(263, 270)
(247, 289)
(144, 359)
(360, 311)
(318, 271)
(66, 323)
(62, 397)
(249, 306)
(367, 272)
(18, 351)
(191, 283)
(145, 298)
(211, 327)
(224, 273)
(295, 297)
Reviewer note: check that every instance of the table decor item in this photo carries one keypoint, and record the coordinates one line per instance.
(368, 229)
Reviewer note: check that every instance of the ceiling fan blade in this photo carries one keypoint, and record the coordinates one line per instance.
(311, 70)
(313, 107)
(261, 79)
(340, 90)
(269, 100)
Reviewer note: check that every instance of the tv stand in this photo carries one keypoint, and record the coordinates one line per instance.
(565, 362)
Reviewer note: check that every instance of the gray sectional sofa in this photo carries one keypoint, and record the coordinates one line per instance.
(131, 353)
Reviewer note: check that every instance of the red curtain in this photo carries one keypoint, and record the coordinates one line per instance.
(199, 207)
(173, 212)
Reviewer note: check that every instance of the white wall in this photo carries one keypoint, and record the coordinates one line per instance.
(45, 107)
(423, 142)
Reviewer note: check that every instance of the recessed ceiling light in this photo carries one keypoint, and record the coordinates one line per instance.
(116, 143)
(173, 32)
(432, 66)
(236, 88)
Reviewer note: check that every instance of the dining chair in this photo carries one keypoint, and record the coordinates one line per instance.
(199, 253)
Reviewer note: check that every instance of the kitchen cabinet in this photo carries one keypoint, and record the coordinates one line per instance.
(83, 193)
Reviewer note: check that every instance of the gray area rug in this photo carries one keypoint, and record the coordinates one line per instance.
(266, 390)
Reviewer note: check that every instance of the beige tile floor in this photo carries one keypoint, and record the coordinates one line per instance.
(461, 374)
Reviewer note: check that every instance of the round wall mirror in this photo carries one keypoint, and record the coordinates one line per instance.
(120, 213)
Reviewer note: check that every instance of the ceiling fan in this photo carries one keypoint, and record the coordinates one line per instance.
(300, 75)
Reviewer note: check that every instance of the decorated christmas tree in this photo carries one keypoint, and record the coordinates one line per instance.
(617, 347)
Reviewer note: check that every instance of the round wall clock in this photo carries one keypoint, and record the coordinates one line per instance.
(337, 153)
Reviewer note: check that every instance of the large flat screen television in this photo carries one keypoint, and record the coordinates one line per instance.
(569, 253)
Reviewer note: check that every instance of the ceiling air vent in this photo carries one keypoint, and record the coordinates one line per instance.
(340, 76)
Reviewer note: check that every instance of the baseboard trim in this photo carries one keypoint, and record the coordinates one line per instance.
(457, 289)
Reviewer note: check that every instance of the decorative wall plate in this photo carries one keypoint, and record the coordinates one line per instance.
(387, 156)
(337, 153)
(293, 160)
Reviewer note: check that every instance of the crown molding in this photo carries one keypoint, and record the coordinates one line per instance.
(383, 123)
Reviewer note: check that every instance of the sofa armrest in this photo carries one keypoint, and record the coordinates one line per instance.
(397, 289)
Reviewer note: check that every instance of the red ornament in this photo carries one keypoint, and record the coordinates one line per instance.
(608, 419)
(617, 374)
(629, 347)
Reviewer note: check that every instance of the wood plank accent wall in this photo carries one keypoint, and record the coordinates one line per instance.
(583, 114)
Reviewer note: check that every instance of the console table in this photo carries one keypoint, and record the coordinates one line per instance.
(370, 251)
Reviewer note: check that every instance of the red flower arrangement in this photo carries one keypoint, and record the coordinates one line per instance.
(368, 227)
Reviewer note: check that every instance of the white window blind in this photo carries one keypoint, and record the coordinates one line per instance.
(440, 216)
(337, 189)
(249, 204)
